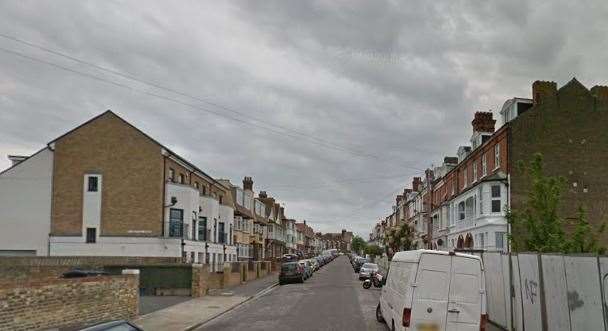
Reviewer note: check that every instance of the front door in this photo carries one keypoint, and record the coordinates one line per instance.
(430, 295)
(466, 291)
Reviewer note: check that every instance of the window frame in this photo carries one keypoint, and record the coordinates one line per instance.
(172, 175)
(497, 156)
(172, 234)
(92, 179)
(88, 238)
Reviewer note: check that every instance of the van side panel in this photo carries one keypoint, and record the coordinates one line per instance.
(466, 294)
(430, 295)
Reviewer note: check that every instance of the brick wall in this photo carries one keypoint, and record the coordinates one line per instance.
(44, 304)
(20, 269)
(568, 127)
(132, 185)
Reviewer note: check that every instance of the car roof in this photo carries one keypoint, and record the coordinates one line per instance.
(100, 326)
(414, 255)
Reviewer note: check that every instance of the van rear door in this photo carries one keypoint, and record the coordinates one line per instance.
(431, 290)
(466, 295)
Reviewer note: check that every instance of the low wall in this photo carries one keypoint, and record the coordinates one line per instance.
(23, 268)
(85, 261)
(51, 303)
(215, 280)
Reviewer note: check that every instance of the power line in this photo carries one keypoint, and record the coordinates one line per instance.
(174, 100)
(351, 180)
(322, 142)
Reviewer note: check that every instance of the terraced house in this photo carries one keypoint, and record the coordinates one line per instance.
(275, 234)
(243, 217)
(106, 188)
(472, 193)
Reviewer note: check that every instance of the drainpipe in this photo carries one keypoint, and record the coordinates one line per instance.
(162, 217)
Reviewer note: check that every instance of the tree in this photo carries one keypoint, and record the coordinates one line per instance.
(373, 250)
(400, 240)
(358, 244)
(538, 225)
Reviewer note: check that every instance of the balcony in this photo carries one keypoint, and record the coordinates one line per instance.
(475, 222)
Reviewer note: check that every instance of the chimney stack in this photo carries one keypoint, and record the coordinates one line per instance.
(543, 91)
(416, 184)
(248, 184)
(429, 174)
(262, 194)
(399, 198)
(483, 122)
(600, 92)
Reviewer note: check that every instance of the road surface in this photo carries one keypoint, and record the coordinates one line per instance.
(332, 299)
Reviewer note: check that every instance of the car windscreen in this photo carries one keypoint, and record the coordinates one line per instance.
(370, 266)
(289, 267)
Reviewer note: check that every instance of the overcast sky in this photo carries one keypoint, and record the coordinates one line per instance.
(331, 106)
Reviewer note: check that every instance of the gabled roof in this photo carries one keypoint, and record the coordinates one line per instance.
(573, 84)
(111, 113)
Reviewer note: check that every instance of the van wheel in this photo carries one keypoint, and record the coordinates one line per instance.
(379, 317)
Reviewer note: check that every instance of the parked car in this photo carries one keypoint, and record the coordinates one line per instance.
(367, 269)
(119, 325)
(307, 268)
(291, 271)
(320, 261)
(449, 292)
(79, 273)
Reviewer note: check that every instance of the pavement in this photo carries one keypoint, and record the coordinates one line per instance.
(190, 314)
(151, 303)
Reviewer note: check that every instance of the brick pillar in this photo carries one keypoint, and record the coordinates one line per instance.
(244, 272)
(227, 273)
(200, 275)
(134, 274)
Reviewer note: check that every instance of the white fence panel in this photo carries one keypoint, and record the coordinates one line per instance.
(530, 283)
(518, 314)
(556, 294)
(506, 280)
(604, 282)
(496, 301)
(584, 293)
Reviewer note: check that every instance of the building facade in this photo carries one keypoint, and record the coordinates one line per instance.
(472, 193)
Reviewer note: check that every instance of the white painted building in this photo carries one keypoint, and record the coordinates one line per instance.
(478, 216)
(25, 205)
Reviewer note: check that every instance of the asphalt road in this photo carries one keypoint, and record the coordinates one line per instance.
(332, 299)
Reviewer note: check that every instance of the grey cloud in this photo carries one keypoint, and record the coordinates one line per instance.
(399, 80)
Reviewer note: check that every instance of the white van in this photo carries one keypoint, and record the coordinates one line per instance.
(429, 290)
